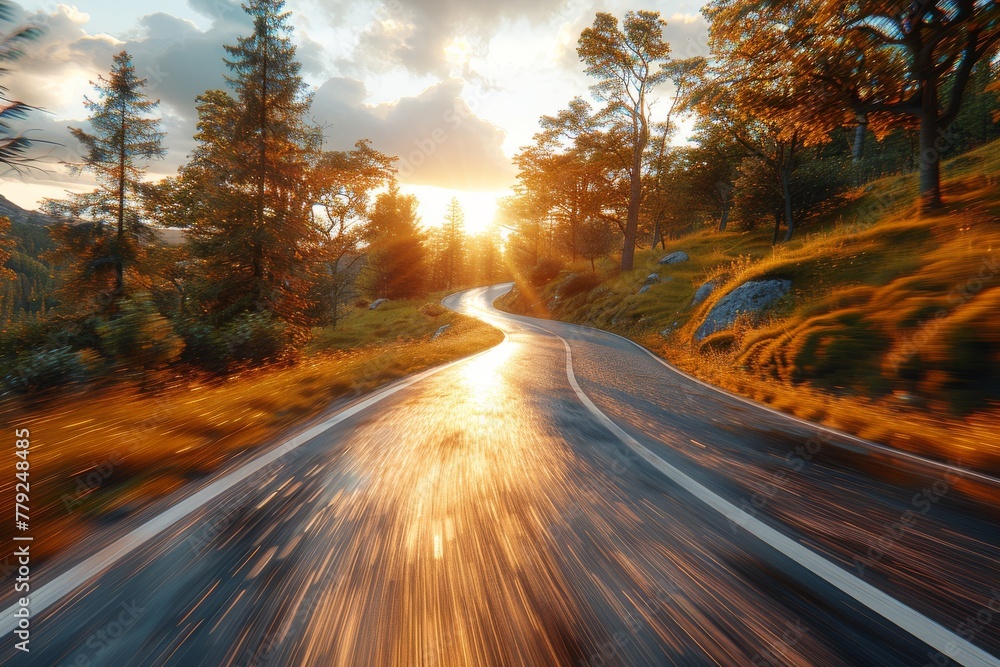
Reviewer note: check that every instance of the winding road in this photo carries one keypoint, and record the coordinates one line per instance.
(564, 498)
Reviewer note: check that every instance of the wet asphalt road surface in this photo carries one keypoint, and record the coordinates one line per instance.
(484, 515)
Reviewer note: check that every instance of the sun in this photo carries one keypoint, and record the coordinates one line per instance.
(480, 208)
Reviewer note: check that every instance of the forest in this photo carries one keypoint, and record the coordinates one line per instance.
(799, 104)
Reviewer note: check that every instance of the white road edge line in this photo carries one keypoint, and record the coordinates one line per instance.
(81, 573)
(910, 620)
(892, 452)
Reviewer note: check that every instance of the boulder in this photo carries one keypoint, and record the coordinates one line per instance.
(652, 278)
(643, 289)
(440, 331)
(702, 293)
(750, 297)
(674, 258)
(376, 303)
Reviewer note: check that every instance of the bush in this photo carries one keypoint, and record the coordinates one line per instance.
(139, 337)
(545, 271)
(579, 283)
(250, 338)
(257, 337)
(36, 371)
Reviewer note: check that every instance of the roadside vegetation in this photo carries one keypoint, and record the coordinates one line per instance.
(890, 329)
(109, 447)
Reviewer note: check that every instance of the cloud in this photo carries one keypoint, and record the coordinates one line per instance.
(438, 138)
(416, 34)
(442, 141)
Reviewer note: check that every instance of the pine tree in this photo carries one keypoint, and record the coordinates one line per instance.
(396, 263)
(101, 232)
(453, 245)
(256, 236)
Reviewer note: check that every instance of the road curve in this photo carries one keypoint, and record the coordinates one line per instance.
(562, 499)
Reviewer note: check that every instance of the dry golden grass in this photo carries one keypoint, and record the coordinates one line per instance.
(891, 329)
(102, 450)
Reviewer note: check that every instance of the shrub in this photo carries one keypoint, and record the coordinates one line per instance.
(579, 283)
(249, 338)
(139, 338)
(46, 369)
(257, 337)
(545, 271)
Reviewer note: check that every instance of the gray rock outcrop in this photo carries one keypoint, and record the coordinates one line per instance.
(750, 297)
(674, 258)
(702, 293)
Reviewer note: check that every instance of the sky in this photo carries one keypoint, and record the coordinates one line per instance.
(451, 87)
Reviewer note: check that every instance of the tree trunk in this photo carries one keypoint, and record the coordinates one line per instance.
(786, 193)
(858, 150)
(930, 148)
(724, 220)
(777, 228)
(634, 200)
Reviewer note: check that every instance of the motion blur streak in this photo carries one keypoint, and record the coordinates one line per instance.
(482, 516)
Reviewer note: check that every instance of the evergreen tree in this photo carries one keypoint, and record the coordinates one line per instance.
(396, 263)
(101, 232)
(452, 259)
(255, 233)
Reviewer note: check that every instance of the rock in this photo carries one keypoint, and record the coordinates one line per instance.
(666, 333)
(702, 293)
(376, 303)
(750, 297)
(643, 289)
(652, 278)
(441, 330)
(674, 258)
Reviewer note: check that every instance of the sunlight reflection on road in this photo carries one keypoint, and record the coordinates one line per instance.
(460, 495)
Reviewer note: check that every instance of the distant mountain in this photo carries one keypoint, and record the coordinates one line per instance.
(18, 214)
(32, 290)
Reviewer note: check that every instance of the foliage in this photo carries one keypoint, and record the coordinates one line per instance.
(6, 244)
(255, 236)
(100, 234)
(250, 338)
(138, 338)
(44, 369)
(545, 271)
(396, 264)
(15, 147)
(449, 249)
(864, 63)
(579, 283)
(627, 62)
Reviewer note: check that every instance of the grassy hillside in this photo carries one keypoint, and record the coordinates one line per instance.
(108, 449)
(891, 329)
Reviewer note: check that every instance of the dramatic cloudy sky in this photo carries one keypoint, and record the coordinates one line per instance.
(452, 87)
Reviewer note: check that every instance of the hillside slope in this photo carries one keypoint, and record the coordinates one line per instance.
(890, 329)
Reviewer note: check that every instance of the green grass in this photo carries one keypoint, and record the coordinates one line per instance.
(391, 321)
(891, 313)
